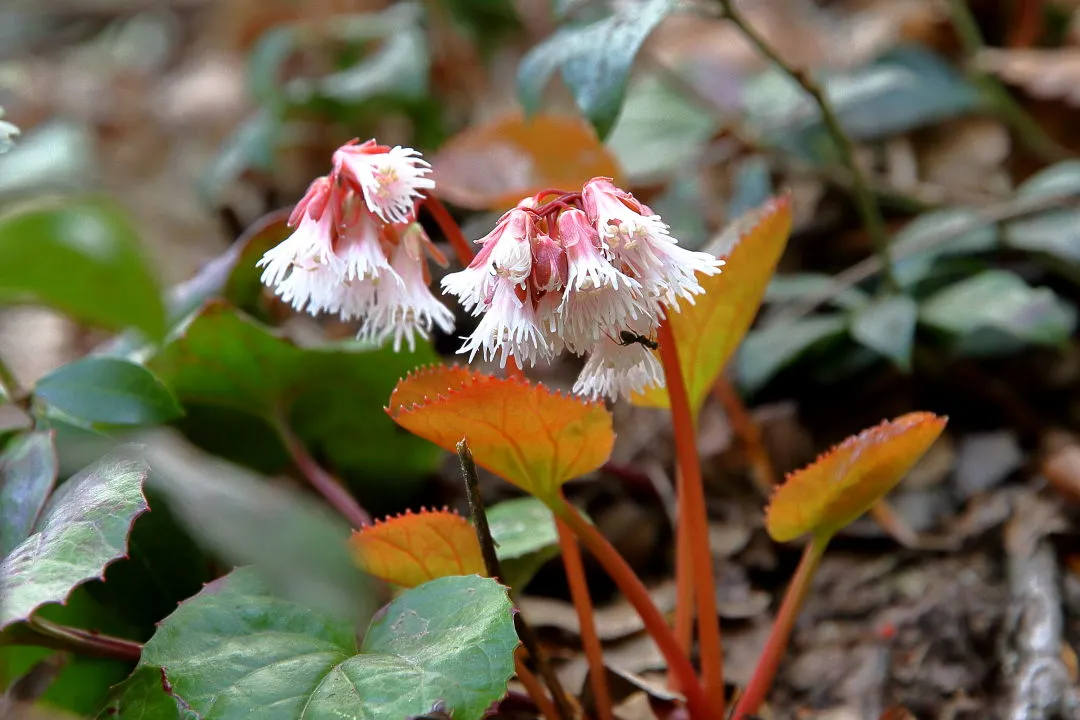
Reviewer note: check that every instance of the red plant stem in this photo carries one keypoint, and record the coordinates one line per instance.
(590, 641)
(452, 231)
(535, 690)
(692, 514)
(769, 661)
(748, 433)
(684, 584)
(655, 624)
(84, 642)
(326, 484)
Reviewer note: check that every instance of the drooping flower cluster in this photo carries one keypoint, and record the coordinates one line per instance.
(590, 272)
(357, 249)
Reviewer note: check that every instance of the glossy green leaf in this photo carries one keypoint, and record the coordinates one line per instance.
(525, 538)
(887, 326)
(28, 470)
(332, 396)
(81, 257)
(1055, 232)
(236, 651)
(82, 682)
(108, 390)
(1001, 301)
(770, 349)
(917, 247)
(293, 541)
(595, 60)
(142, 697)
(796, 287)
(83, 528)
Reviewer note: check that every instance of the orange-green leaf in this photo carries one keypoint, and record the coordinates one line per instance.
(708, 331)
(493, 166)
(527, 434)
(846, 481)
(410, 549)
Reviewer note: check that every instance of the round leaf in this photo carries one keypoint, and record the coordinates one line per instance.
(236, 652)
(532, 437)
(493, 166)
(708, 331)
(409, 549)
(142, 697)
(846, 481)
(525, 538)
(225, 361)
(28, 471)
(108, 390)
(83, 528)
(81, 257)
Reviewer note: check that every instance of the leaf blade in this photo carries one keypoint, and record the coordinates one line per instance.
(109, 390)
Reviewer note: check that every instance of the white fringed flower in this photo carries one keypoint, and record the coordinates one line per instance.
(391, 179)
(616, 370)
(639, 239)
(346, 257)
(407, 307)
(510, 327)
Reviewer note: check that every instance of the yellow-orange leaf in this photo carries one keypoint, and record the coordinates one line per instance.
(493, 166)
(411, 549)
(708, 331)
(527, 434)
(846, 481)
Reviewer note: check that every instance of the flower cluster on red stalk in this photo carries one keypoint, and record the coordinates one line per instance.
(576, 271)
(357, 249)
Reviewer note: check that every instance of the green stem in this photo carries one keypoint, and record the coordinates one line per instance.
(692, 513)
(776, 645)
(1027, 129)
(620, 571)
(865, 202)
(83, 642)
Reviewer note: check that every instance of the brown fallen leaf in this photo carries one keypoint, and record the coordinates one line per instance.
(1047, 74)
(1062, 468)
(493, 166)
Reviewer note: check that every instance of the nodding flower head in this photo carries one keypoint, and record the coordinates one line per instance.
(392, 179)
(356, 249)
(574, 271)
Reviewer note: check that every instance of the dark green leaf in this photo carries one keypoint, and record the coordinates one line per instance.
(525, 538)
(27, 474)
(142, 697)
(82, 257)
(83, 528)
(1055, 232)
(82, 682)
(917, 247)
(595, 61)
(887, 326)
(332, 396)
(295, 544)
(243, 653)
(1001, 301)
(108, 390)
(770, 349)
(799, 286)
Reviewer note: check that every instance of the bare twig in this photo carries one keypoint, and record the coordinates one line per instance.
(1012, 209)
(1026, 128)
(326, 484)
(865, 202)
(494, 569)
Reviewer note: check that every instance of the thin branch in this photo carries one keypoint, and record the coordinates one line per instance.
(1027, 129)
(326, 484)
(865, 202)
(84, 642)
(494, 569)
(1012, 209)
